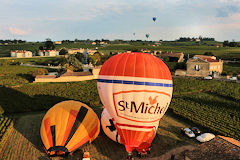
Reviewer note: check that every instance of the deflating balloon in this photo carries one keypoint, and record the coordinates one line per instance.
(136, 89)
(147, 35)
(154, 18)
(108, 126)
(67, 126)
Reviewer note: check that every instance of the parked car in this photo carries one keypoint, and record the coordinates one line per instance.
(188, 132)
(196, 131)
(205, 137)
(208, 77)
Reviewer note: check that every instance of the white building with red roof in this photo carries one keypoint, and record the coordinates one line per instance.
(21, 53)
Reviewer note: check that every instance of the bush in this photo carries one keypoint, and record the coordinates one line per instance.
(63, 51)
(41, 71)
(181, 65)
(224, 73)
(5, 62)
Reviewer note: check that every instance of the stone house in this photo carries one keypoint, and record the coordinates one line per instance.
(21, 54)
(202, 66)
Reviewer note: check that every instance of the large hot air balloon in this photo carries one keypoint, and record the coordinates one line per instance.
(147, 35)
(136, 89)
(67, 126)
(154, 18)
(108, 126)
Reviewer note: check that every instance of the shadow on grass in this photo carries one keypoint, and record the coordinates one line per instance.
(16, 104)
(13, 101)
(28, 77)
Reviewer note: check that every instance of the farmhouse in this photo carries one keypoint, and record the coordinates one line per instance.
(219, 148)
(202, 66)
(103, 43)
(58, 42)
(21, 54)
(48, 53)
(173, 57)
(75, 50)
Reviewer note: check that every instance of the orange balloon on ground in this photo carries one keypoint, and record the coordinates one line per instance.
(67, 126)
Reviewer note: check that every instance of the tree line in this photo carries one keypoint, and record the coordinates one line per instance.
(231, 44)
(188, 39)
(15, 41)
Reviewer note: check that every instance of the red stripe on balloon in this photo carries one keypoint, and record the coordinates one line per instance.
(134, 126)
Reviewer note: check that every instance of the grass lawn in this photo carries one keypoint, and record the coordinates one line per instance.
(24, 140)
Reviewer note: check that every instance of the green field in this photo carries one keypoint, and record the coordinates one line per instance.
(215, 95)
(231, 68)
(214, 106)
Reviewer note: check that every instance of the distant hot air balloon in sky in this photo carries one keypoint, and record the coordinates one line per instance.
(136, 89)
(108, 126)
(134, 33)
(147, 35)
(154, 18)
(67, 126)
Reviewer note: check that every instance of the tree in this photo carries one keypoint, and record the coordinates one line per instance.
(63, 51)
(209, 54)
(41, 48)
(225, 43)
(79, 56)
(41, 71)
(49, 45)
(95, 59)
(233, 44)
(72, 63)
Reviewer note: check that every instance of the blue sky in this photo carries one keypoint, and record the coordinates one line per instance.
(118, 19)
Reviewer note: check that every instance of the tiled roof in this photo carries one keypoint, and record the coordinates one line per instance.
(207, 58)
(231, 140)
(218, 148)
(210, 59)
(46, 76)
(76, 74)
(20, 51)
(171, 54)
